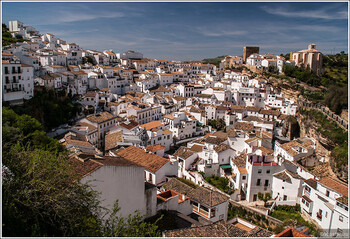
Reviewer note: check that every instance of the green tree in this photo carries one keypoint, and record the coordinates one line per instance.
(132, 226)
(264, 197)
(42, 197)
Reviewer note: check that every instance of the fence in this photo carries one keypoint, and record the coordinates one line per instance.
(325, 110)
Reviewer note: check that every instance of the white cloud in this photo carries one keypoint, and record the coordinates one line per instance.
(222, 33)
(320, 13)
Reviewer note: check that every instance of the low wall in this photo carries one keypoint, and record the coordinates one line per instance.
(273, 221)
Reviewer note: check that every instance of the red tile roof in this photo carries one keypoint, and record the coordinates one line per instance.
(155, 148)
(151, 125)
(150, 161)
(335, 185)
(291, 232)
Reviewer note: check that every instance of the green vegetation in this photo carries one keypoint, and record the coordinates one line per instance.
(255, 218)
(328, 128)
(165, 220)
(331, 130)
(286, 56)
(215, 61)
(132, 226)
(264, 197)
(334, 79)
(51, 108)
(42, 195)
(336, 68)
(291, 217)
(188, 182)
(88, 59)
(302, 74)
(221, 183)
(25, 131)
(218, 124)
(337, 98)
(314, 96)
(7, 38)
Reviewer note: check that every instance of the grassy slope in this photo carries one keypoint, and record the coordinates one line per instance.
(215, 61)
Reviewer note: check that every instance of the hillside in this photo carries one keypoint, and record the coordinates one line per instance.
(7, 39)
(330, 89)
(215, 61)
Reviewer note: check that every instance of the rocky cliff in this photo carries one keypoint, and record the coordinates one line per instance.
(333, 154)
(308, 128)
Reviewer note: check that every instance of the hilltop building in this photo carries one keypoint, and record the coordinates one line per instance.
(249, 50)
(309, 57)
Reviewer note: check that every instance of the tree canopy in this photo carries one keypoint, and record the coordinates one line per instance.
(42, 195)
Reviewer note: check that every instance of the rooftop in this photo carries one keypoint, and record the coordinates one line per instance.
(218, 229)
(207, 197)
(335, 185)
(155, 147)
(151, 125)
(97, 118)
(184, 152)
(150, 161)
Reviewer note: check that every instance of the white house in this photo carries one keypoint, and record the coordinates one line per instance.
(125, 177)
(156, 169)
(17, 81)
(287, 186)
(295, 149)
(260, 175)
(326, 202)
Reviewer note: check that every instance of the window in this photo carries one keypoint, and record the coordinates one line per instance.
(307, 189)
(259, 171)
(266, 183)
(258, 182)
(284, 197)
(268, 171)
(243, 177)
(327, 193)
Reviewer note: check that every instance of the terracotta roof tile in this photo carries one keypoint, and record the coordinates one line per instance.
(335, 185)
(207, 196)
(111, 139)
(150, 161)
(197, 148)
(129, 125)
(242, 170)
(155, 148)
(311, 182)
(244, 126)
(177, 186)
(97, 118)
(222, 147)
(218, 229)
(151, 125)
(184, 152)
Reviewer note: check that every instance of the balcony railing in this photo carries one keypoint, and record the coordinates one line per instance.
(201, 211)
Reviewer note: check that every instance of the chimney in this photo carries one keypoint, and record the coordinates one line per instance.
(312, 46)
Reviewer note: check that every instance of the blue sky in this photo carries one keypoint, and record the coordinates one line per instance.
(189, 31)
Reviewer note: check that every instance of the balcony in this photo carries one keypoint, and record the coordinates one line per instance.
(201, 211)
